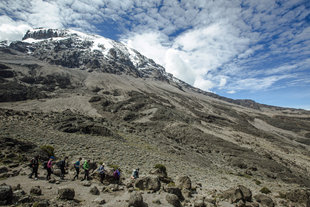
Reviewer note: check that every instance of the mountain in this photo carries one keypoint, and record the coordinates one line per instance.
(89, 96)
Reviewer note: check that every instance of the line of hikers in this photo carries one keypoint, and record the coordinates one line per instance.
(63, 165)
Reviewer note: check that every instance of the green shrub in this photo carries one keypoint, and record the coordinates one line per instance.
(114, 167)
(161, 167)
(257, 182)
(48, 149)
(171, 184)
(265, 190)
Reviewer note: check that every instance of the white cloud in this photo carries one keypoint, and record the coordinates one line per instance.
(11, 30)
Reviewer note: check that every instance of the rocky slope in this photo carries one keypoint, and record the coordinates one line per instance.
(89, 96)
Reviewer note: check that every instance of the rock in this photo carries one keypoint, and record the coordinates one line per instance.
(6, 194)
(99, 201)
(184, 182)
(224, 204)
(175, 191)
(199, 203)
(173, 200)
(86, 183)
(264, 200)
(66, 193)
(236, 194)
(57, 172)
(3, 169)
(94, 190)
(52, 180)
(148, 183)
(246, 193)
(233, 195)
(135, 200)
(36, 190)
(298, 195)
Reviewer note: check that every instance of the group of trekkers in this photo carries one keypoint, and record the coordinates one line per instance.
(63, 165)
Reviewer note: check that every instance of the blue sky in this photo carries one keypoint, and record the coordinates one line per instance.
(256, 50)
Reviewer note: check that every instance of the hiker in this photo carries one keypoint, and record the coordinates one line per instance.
(49, 167)
(86, 169)
(117, 174)
(34, 164)
(62, 165)
(77, 165)
(101, 171)
(135, 174)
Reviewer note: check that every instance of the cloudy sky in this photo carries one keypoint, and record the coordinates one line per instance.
(241, 49)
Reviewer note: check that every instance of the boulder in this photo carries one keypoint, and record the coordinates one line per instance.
(176, 191)
(241, 193)
(264, 200)
(184, 182)
(233, 195)
(173, 200)
(148, 183)
(66, 193)
(199, 203)
(298, 195)
(86, 183)
(135, 200)
(3, 169)
(6, 194)
(57, 172)
(36, 190)
(94, 190)
(246, 193)
(99, 201)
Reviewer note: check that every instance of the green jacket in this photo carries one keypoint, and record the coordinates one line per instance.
(85, 165)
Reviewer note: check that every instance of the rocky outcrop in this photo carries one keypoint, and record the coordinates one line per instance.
(173, 200)
(6, 194)
(148, 183)
(264, 200)
(240, 193)
(135, 200)
(36, 190)
(66, 193)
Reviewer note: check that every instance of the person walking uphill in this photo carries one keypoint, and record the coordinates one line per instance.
(34, 164)
(77, 165)
(86, 169)
(49, 166)
(135, 174)
(62, 165)
(101, 171)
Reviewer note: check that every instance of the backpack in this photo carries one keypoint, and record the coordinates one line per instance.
(60, 164)
(45, 165)
(116, 174)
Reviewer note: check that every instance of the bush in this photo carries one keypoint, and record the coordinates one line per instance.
(257, 182)
(114, 167)
(265, 190)
(161, 167)
(48, 149)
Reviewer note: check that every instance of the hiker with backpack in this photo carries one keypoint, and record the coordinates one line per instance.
(77, 165)
(62, 165)
(117, 175)
(86, 169)
(49, 166)
(101, 171)
(135, 174)
(34, 164)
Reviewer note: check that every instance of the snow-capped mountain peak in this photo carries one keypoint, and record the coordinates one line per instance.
(87, 44)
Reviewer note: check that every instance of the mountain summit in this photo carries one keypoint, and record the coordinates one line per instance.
(75, 49)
